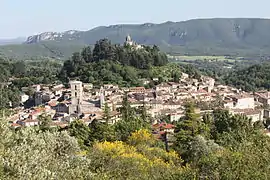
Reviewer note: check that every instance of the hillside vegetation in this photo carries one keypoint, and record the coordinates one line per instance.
(240, 37)
(123, 65)
(251, 78)
(40, 51)
(222, 146)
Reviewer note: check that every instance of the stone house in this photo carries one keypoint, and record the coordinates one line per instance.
(137, 89)
(243, 101)
(174, 85)
(254, 114)
(23, 98)
(263, 97)
(175, 117)
(184, 76)
(173, 105)
(228, 104)
(163, 87)
(29, 122)
(61, 108)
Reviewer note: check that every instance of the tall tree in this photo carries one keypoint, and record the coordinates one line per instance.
(103, 50)
(107, 113)
(101, 131)
(45, 122)
(82, 132)
(126, 109)
(87, 54)
(187, 129)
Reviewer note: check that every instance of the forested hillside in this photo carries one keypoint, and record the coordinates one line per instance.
(251, 78)
(123, 65)
(24, 74)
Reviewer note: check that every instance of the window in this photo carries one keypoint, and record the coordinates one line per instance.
(75, 87)
(75, 94)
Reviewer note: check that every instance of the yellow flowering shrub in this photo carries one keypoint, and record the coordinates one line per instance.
(114, 148)
(154, 153)
(142, 162)
(81, 153)
(142, 136)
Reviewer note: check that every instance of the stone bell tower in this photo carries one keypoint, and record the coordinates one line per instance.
(76, 97)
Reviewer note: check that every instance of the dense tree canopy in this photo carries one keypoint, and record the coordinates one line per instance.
(252, 78)
(109, 63)
(17, 74)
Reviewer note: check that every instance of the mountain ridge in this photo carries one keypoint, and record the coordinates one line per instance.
(147, 24)
(49, 36)
(215, 36)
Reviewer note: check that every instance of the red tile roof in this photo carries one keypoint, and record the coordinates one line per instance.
(60, 124)
(163, 125)
(162, 132)
(169, 126)
(30, 120)
(52, 103)
(15, 125)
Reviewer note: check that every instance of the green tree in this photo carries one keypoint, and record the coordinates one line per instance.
(82, 132)
(187, 129)
(224, 122)
(30, 91)
(129, 122)
(176, 75)
(208, 120)
(87, 54)
(124, 128)
(107, 113)
(143, 113)
(103, 50)
(20, 68)
(101, 131)
(126, 110)
(44, 122)
(109, 63)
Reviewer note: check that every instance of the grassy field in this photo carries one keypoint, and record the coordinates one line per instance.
(188, 59)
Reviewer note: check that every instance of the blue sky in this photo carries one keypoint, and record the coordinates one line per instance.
(27, 17)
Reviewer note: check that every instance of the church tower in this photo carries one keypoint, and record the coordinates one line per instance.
(133, 44)
(101, 97)
(76, 97)
(129, 41)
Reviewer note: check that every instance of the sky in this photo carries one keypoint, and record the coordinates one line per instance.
(21, 18)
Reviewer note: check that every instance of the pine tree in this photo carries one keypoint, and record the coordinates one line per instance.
(126, 110)
(107, 113)
(187, 129)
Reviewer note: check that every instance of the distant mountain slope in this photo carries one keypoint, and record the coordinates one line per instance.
(243, 36)
(12, 41)
(55, 50)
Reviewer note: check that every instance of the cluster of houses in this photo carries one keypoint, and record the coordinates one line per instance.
(86, 102)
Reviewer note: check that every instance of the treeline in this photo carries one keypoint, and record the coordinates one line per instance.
(108, 62)
(29, 72)
(9, 96)
(251, 78)
(17, 74)
(142, 58)
(251, 75)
